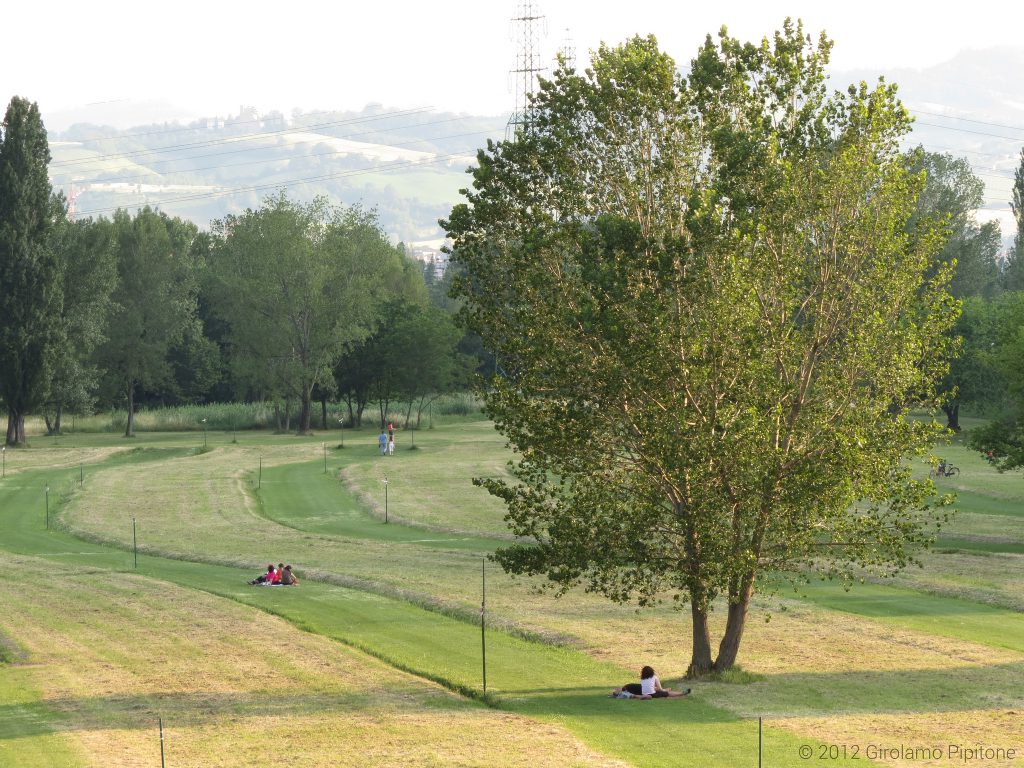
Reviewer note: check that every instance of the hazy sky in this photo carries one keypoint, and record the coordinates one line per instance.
(209, 57)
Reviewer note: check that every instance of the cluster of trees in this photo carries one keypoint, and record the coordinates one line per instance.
(715, 299)
(987, 376)
(291, 302)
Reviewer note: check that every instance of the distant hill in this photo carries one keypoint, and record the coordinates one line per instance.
(410, 164)
(970, 106)
(407, 164)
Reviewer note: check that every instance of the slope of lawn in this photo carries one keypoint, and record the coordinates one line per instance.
(833, 677)
(563, 687)
(112, 653)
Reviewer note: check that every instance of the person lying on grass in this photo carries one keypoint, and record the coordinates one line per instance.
(649, 687)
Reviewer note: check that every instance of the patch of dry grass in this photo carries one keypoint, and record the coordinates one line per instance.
(432, 486)
(237, 687)
(813, 660)
(996, 578)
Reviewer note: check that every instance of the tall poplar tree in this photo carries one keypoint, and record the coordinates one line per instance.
(1015, 267)
(709, 316)
(30, 295)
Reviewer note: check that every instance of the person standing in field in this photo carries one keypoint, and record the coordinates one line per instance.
(383, 442)
(391, 446)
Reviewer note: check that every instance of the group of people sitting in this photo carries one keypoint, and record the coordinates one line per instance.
(279, 576)
(649, 687)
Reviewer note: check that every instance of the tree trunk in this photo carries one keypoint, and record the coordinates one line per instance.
(739, 601)
(15, 427)
(700, 658)
(952, 415)
(130, 429)
(305, 413)
(56, 419)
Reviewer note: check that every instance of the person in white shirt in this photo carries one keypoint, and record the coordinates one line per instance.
(650, 685)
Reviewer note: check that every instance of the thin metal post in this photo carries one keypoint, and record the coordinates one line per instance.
(483, 610)
(759, 742)
(47, 507)
(325, 457)
(135, 544)
(162, 764)
(385, 499)
(81, 474)
(259, 477)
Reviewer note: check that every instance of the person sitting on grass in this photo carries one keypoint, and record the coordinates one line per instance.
(276, 581)
(265, 578)
(649, 687)
(288, 578)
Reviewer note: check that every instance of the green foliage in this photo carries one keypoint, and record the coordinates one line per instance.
(88, 274)
(298, 285)
(949, 198)
(1014, 276)
(30, 280)
(706, 306)
(154, 302)
(996, 362)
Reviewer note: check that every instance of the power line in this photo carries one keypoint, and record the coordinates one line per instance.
(968, 120)
(280, 184)
(178, 128)
(232, 139)
(269, 160)
(318, 140)
(977, 133)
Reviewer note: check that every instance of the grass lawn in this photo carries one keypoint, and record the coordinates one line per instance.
(879, 665)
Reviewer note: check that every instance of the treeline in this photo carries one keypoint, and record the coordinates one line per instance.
(291, 303)
(987, 376)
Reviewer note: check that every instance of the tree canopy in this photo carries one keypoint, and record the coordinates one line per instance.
(710, 316)
(298, 284)
(30, 296)
(154, 301)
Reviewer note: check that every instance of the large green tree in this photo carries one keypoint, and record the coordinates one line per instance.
(30, 296)
(951, 195)
(997, 355)
(153, 304)
(88, 275)
(709, 313)
(298, 284)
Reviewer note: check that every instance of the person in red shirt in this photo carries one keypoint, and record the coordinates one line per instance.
(276, 578)
(265, 578)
